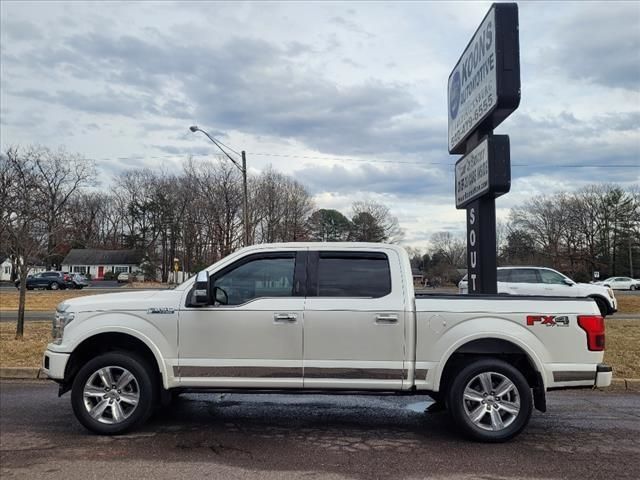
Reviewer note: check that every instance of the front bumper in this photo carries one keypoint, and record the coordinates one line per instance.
(54, 364)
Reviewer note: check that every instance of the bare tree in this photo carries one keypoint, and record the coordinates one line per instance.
(24, 219)
(452, 248)
(60, 175)
(383, 225)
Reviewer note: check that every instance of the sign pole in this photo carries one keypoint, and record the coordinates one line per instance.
(481, 246)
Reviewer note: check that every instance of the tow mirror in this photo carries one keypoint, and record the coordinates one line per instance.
(200, 293)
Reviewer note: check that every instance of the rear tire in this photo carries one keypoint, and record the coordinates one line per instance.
(53, 286)
(104, 409)
(490, 401)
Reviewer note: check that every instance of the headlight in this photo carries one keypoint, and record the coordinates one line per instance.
(60, 321)
(610, 292)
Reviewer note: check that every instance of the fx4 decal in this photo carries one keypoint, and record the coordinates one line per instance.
(548, 320)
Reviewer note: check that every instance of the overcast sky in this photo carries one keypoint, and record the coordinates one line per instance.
(349, 98)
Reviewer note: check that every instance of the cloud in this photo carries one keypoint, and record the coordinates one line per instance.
(406, 181)
(597, 44)
(306, 80)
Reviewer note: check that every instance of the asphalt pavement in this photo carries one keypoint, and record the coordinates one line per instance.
(584, 435)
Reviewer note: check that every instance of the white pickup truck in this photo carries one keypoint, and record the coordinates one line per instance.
(309, 317)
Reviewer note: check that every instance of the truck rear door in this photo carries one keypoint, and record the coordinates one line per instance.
(354, 321)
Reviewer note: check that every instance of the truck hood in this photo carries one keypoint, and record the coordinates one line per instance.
(137, 300)
(593, 286)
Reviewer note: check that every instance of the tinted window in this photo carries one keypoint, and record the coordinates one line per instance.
(50, 274)
(503, 275)
(354, 275)
(549, 276)
(523, 275)
(262, 277)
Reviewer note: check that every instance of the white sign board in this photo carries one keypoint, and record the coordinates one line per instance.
(473, 83)
(596, 274)
(472, 174)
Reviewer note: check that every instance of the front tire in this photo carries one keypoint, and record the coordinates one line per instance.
(602, 306)
(113, 393)
(490, 401)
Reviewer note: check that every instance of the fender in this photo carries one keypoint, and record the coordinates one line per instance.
(487, 328)
(132, 325)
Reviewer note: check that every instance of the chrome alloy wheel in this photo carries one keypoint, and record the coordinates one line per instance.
(491, 401)
(111, 395)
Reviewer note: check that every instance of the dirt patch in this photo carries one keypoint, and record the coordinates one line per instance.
(39, 301)
(28, 351)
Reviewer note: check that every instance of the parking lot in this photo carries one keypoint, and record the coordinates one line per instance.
(584, 435)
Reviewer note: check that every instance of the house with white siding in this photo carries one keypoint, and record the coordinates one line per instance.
(97, 262)
(6, 269)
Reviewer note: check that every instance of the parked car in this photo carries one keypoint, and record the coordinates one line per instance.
(620, 283)
(489, 360)
(48, 280)
(134, 276)
(79, 281)
(549, 283)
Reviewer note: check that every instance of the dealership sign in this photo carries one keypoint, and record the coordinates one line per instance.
(484, 86)
(483, 90)
(486, 170)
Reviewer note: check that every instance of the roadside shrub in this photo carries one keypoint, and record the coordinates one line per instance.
(110, 276)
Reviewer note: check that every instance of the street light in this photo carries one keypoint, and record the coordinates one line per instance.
(243, 169)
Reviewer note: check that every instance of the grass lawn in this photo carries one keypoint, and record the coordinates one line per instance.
(628, 303)
(46, 300)
(39, 300)
(28, 351)
(622, 353)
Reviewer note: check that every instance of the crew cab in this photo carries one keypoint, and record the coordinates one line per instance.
(330, 317)
(543, 281)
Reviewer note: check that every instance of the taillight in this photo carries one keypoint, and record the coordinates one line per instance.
(594, 326)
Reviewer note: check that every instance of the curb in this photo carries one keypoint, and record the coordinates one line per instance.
(22, 373)
(627, 383)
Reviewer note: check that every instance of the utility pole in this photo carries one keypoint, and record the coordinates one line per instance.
(245, 201)
(243, 169)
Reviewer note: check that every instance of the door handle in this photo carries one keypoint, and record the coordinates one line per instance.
(386, 319)
(285, 317)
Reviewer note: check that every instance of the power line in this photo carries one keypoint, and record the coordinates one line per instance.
(360, 160)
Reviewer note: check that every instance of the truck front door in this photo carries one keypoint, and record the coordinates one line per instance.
(253, 338)
(354, 321)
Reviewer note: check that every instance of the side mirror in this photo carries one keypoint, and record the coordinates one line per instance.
(568, 282)
(200, 292)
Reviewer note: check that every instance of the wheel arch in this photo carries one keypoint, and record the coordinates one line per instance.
(494, 345)
(110, 341)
